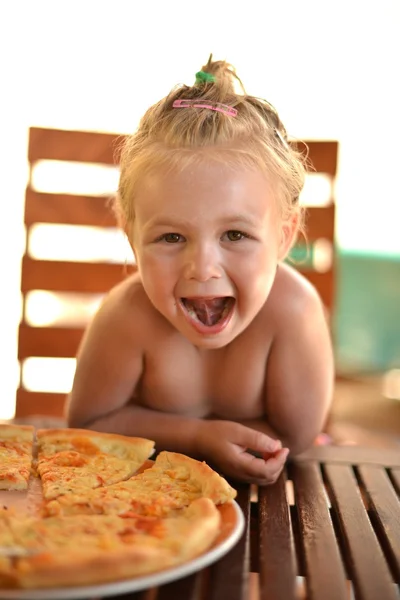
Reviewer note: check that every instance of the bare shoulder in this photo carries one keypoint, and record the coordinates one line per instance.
(292, 296)
(126, 295)
(128, 306)
(110, 357)
(123, 323)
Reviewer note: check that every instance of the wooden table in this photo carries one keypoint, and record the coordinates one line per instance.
(329, 528)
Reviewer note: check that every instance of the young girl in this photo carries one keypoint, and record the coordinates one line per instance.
(215, 347)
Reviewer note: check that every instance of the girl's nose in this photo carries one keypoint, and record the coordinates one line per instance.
(202, 262)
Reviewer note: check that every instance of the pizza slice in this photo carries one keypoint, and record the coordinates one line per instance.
(16, 444)
(173, 482)
(78, 460)
(84, 550)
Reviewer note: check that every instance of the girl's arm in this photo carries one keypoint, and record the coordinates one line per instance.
(300, 373)
(300, 368)
(109, 361)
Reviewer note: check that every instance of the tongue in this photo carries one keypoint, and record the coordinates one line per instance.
(208, 311)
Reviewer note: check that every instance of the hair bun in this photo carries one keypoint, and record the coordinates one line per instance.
(222, 74)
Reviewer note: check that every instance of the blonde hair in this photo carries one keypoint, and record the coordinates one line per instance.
(171, 137)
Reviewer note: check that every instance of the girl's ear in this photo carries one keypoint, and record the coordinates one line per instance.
(289, 231)
(128, 231)
(129, 237)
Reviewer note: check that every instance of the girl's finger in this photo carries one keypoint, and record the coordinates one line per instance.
(255, 440)
(274, 466)
(251, 466)
(257, 468)
(280, 455)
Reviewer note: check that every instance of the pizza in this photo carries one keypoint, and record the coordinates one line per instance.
(71, 460)
(139, 517)
(173, 482)
(16, 443)
(92, 549)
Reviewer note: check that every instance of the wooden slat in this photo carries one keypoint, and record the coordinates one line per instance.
(325, 574)
(277, 566)
(98, 278)
(39, 403)
(68, 209)
(369, 571)
(321, 154)
(385, 509)
(97, 147)
(320, 222)
(395, 474)
(63, 276)
(57, 342)
(324, 283)
(352, 455)
(81, 146)
(228, 578)
(149, 594)
(186, 588)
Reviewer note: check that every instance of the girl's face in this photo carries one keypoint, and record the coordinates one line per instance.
(207, 242)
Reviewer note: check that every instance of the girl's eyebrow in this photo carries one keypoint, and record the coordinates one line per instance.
(177, 221)
(242, 219)
(167, 221)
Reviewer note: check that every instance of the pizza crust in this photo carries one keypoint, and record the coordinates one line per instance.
(83, 568)
(17, 433)
(90, 442)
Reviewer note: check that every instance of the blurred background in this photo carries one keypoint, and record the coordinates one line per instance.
(331, 69)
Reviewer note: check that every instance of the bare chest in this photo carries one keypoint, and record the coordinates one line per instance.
(227, 383)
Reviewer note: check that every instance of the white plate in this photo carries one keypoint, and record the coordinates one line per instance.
(138, 583)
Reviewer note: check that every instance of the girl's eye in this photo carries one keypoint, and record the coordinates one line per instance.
(235, 236)
(171, 238)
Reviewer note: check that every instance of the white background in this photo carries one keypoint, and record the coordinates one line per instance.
(330, 67)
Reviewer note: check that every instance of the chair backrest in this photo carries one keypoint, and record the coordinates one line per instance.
(67, 279)
(71, 281)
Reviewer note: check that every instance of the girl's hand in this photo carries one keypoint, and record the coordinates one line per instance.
(226, 444)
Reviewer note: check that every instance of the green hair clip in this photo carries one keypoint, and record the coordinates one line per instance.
(203, 77)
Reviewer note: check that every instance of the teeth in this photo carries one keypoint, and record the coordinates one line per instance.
(192, 313)
(226, 310)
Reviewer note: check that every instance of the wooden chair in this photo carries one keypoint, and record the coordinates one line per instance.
(320, 225)
(88, 278)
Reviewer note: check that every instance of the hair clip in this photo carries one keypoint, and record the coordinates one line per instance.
(222, 108)
(204, 77)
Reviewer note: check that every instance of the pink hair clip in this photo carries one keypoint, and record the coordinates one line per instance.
(222, 108)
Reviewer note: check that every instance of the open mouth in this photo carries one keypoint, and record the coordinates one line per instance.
(209, 311)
